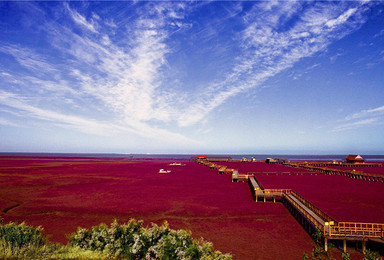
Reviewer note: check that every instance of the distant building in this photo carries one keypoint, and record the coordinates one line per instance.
(354, 159)
(270, 160)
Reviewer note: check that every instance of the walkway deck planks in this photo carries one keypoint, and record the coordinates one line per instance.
(318, 221)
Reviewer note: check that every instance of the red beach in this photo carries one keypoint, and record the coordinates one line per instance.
(61, 194)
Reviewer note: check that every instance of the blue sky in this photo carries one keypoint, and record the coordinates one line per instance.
(192, 77)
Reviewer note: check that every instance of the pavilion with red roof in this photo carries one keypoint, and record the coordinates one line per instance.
(354, 159)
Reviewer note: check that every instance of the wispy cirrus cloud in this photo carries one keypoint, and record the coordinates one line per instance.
(341, 19)
(364, 118)
(123, 80)
(78, 123)
(7, 122)
(128, 79)
(374, 112)
(82, 124)
(29, 59)
(356, 124)
(81, 20)
(121, 67)
(272, 44)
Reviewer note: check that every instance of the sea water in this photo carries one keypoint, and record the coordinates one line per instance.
(303, 157)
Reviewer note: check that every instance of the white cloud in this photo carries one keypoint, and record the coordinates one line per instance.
(126, 74)
(268, 51)
(85, 125)
(131, 85)
(105, 40)
(342, 18)
(28, 59)
(81, 124)
(363, 118)
(357, 124)
(124, 80)
(52, 87)
(82, 21)
(378, 111)
(110, 23)
(5, 74)
(7, 122)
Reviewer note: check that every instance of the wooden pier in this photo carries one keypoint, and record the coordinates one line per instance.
(222, 159)
(259, 193)
(354, 174)
(338, 164)
(308, 215)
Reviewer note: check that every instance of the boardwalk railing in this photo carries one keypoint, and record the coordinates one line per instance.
(339, 164)
(223, 159)
(255, 182)
(259, 190)
(305, 213)
(276, 192)
(315, 209)
(355, 229)
(334, 171)
(236, 177)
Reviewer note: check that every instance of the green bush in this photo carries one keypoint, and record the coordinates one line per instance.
(345, 256)
(371, 255)
(127, 241)
(132, 241)
(116, 240)
(21, 235)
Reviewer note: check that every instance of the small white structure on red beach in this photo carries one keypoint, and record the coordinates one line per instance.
(177, 164)
(164, 171)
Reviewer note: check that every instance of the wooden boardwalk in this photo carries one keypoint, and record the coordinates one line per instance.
(315, 219)
(308, 214)
(322, 167)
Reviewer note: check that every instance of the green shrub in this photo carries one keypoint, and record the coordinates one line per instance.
(316, 236)
(129, 241)
(116, 240)
(345, 256)
(21, 235)
(132, 241)
(371, 255)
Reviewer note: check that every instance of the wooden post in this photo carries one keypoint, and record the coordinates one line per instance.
(345, 246)
(364, 247)
(325, 244)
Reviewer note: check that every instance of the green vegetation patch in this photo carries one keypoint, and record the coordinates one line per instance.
(127, 241)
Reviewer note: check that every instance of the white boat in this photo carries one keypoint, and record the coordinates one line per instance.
(164, 171)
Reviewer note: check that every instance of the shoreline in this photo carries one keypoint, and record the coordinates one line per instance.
(300, 157)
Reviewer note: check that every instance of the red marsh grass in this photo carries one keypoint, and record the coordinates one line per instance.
(65, 193)
(62, 194)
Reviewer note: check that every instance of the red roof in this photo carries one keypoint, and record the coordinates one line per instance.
(355, 158)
